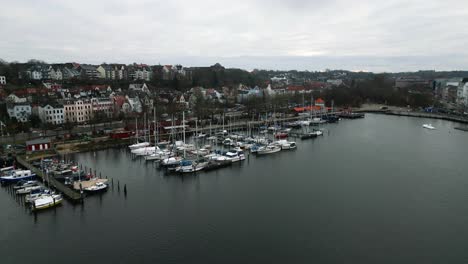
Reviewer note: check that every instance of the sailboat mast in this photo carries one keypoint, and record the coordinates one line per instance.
(154, 131)
(183, 129)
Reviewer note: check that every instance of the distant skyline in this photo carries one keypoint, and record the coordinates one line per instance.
(378, 36)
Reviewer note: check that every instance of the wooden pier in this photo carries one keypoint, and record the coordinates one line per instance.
(66, 191)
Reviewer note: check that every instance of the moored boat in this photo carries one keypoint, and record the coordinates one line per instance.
(97, 187)
(286, 145)
(270, 149)
(17, 175)
(428, 126)
(46, 201)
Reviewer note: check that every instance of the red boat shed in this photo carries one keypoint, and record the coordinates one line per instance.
(39, 144)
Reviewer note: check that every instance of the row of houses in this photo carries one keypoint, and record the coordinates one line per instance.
(79, 106)
(58, 72)
(452, 90)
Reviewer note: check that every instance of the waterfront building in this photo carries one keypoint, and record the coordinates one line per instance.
(51, 113)
(78, 111)
(103, 106)
(39, 144)
(20, 111)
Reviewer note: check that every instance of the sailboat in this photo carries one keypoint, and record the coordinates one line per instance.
(188, 166)
(138, 145)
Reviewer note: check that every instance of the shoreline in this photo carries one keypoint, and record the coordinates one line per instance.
(421, 115)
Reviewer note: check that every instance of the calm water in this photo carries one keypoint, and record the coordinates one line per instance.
(376, 190)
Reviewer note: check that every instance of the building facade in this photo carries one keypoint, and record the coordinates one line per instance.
(104, 106)
(52, 114)
(2, 80)
(77, 111)
(21, 112)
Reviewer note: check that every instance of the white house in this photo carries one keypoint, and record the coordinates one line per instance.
(2, 80)
(52, 114)
(21, 112)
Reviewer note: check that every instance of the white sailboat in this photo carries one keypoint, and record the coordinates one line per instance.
(138, 145)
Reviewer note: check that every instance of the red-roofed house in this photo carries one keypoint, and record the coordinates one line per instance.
(320, 102)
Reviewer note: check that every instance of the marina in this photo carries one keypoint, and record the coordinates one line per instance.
(289, 199)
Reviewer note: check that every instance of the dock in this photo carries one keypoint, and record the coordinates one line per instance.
(66, 191)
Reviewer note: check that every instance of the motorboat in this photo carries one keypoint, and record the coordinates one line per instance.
(97, 187)
(23, 184)
(235, 155)
(46, 201)
(428, 126)
(269, 149)
(317, 132)
(28, 189)
(17, 175)
(188, 166)
(286, 145)
(139, 145)
(158, 155)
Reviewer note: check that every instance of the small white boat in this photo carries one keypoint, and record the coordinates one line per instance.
(97, 187)
(188, 166)
(28, 189)
(270, 149)
(428, 126)
(139, 145)
(23, 184)
(286, 145)
(46, 201)
(235, 155)
(145, 151)
(171, 161)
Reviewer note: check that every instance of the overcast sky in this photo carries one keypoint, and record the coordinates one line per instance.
(372, 35)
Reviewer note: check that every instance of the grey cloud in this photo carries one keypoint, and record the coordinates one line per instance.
(316, 34)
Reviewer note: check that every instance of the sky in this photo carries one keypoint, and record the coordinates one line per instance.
(367, 35)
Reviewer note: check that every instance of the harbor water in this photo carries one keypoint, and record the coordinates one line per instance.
(376, 190)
